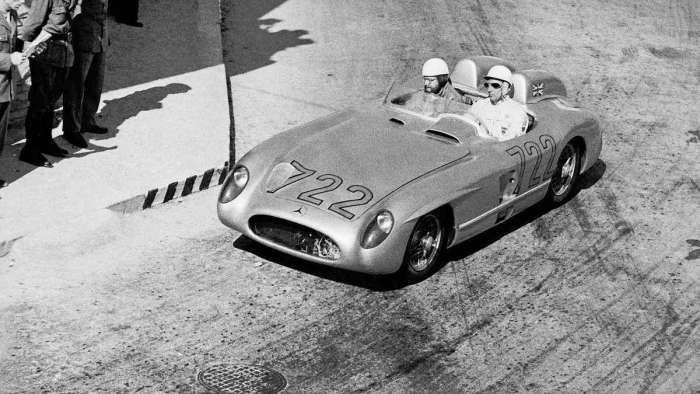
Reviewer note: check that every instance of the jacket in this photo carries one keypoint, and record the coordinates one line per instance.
(90, 27)
(53, 16)
(8, 42)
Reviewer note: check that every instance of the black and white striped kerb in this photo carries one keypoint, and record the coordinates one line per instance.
(175, 190)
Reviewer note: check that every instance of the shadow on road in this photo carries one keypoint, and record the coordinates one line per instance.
(459, 252)
(11, 168)
(178, 37)
(116, 112)
(113, 114)
(249, 42)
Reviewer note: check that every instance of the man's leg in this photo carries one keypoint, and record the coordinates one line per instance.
(128, 13)
(35, 120)
(4, 121)
(93, 93)
(57, 87)
(75, 92)
(61, 82)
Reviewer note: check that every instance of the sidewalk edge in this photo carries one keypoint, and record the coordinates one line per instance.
(154, 197)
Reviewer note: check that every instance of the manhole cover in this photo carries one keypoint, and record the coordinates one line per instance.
(244, 379)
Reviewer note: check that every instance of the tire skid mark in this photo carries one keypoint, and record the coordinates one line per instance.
(682, 14)
(458, 294)
(622, 334)
(603, 244)
(600, 246)
(638, 143)
(581, 215)
(480, 27)
(317, 348)
(652, 349)
(556, 342)
(692, 181)
(352, 307)
(598, 249)
(446, 348)
(681, 335)
(409, 355)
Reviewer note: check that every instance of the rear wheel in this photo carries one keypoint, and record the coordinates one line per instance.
(563, 182)
(424, 246)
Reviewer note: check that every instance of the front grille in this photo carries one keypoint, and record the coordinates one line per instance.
(294, 236)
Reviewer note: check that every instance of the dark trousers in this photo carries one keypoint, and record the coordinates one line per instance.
(47, 86)
(126, 11)
(83, 90)
(4, 121)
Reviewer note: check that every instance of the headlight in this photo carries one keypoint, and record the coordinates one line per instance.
(234, 185)
(378, 229)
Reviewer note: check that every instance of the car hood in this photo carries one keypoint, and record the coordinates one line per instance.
(367, 150)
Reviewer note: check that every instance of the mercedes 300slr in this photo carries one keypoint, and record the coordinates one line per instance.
(385, 187)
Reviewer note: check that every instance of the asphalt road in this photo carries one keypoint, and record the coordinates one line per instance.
(599, 295)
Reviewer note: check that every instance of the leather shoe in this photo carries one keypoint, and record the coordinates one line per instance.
(34, 157)
(75, 139)
(51, 148)
(95, 129)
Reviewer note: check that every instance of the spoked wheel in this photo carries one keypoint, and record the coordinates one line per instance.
(424, 247)
(565, 175)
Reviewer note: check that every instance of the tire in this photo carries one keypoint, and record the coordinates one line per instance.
(564, 180)
(424, 247)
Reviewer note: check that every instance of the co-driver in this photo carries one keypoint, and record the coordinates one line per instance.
(503, 117)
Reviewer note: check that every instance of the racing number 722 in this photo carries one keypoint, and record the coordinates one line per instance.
(311, 196)
(529, 149)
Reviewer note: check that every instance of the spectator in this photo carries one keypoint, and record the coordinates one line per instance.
(8, 58)
(84, 87)
(48, 22)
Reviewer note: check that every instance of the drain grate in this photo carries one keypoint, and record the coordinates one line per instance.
(228, 378)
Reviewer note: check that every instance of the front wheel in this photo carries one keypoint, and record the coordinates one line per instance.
(563, 181)
(424, 246)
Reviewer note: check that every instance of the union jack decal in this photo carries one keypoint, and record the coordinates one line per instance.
(537, 89)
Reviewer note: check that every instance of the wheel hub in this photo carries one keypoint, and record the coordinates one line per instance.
(424, 244)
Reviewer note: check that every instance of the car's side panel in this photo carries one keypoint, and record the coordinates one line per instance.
(469, 208)
(535, 155)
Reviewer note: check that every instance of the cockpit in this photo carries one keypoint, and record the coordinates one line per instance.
(448, 117)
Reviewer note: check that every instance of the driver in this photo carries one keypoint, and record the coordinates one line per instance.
(436, 79)
(439, 93)
(502, 116)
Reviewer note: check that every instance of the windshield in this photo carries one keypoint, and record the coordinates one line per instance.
(417, 102)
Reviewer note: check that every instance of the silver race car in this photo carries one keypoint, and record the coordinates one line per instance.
(385, 187)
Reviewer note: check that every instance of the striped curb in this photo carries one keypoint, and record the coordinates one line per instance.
(195, 183)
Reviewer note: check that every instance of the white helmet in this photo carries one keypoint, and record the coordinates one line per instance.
(502, 73)
(435, 66)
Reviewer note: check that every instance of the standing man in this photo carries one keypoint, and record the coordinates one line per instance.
(84, 87)
(48, 21)
(8, 58)
(503, 117)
